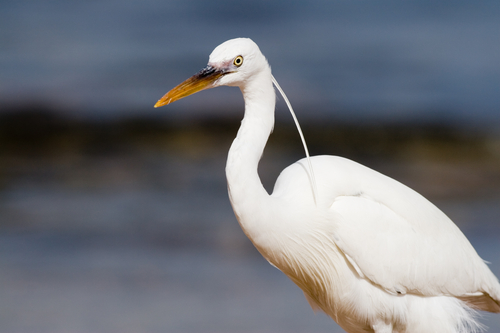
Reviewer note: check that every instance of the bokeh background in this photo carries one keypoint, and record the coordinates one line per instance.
(114, 215)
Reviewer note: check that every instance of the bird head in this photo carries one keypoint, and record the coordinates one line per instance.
(230, 64)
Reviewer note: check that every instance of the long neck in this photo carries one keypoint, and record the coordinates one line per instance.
(245, 188)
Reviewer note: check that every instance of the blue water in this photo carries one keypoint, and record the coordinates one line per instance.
(356, 60)
(122, 253)
(149, 243)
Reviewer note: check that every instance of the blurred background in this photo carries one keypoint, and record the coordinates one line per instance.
(114, 216)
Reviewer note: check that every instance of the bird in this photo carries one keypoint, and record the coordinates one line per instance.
(370, 252)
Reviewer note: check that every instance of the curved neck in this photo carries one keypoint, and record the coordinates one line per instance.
(246, 191)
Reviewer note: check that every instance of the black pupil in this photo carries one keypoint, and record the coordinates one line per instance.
(238, 61)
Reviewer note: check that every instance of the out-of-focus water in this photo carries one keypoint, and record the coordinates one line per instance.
(150, 244)
(359, 60)
(93, 241)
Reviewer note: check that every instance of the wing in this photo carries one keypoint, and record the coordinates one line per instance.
(403, 257)
(394, 237)
(401, 242)
(394, 253)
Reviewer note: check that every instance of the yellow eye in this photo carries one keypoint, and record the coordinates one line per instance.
(238, 61)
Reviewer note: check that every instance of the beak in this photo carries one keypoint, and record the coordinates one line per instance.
(204, 79)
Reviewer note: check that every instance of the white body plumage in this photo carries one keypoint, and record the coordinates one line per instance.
(368, 251)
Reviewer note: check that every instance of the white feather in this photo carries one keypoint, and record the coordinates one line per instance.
(370, 252)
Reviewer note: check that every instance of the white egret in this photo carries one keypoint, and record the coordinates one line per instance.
(370, 252)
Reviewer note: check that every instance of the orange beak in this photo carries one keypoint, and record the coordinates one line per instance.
(202, 80)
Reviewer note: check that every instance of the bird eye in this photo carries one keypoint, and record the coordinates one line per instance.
(238, 61)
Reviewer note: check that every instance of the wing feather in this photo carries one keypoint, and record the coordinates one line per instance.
(393, 236)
